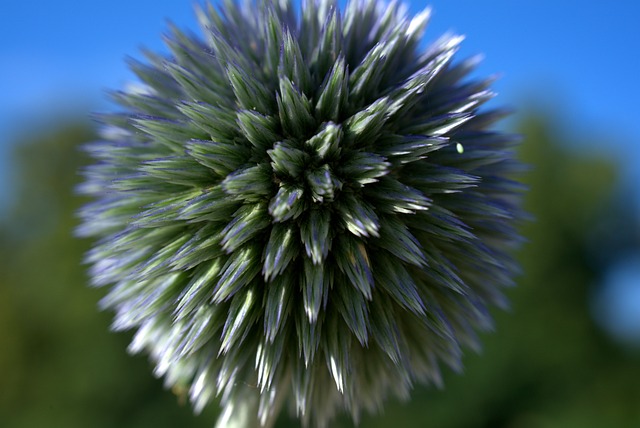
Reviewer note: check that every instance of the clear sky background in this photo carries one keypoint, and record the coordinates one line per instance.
(578, 61)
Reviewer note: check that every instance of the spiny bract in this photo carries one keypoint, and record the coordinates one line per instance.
(304, 207)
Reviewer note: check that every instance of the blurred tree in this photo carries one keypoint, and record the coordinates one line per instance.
(59, 364)
(547, 366)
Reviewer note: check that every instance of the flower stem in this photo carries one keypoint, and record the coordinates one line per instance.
(243, 410)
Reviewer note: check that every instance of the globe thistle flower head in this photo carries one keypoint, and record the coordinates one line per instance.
(303, 208)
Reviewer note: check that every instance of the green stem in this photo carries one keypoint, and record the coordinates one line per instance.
(242, 409)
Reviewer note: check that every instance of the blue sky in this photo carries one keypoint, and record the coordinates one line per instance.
(578, 61)
(578, 58)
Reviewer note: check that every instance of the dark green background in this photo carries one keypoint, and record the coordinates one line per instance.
(547, 365)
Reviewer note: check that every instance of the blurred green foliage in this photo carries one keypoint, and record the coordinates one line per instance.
(59, 364)
(546, 366)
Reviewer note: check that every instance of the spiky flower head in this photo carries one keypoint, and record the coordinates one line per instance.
(305, 207)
